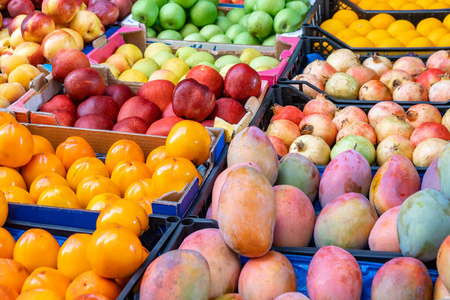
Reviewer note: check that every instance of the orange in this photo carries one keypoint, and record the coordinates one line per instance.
(84, 167)
(59, 196)
(444, 41)
(400, 26)
(48, 279)
(101, 201)
(425, 3)
(411, 6)
(156, 156)
(428, 25)
(189, 139)
(8, 293)
(7, 243)
(44, 181)
(440, 5)
(347, 34)
(446, 22)
(3, 209)
(420, 42)
(378, 35)
(126, 172)
(40, 294)
(332, 26)
(16, 145)
(362, 26)
(42, 145)
(437, 34)
(36, 248)
(91, 283)
(94, 185)
(6, 117)
(146, 203)
(73, 148)
(346, 16)
(123, 150)
(17, 195)
(72, 256)
(173, 174)
(383, 6)
(126, 213)
(397, 4)
(139, 189)
(367, 4)
(12, 274)
(114, 251)
(360, 42)
(390, 43)
(10, 177)
(408, 36)
(42, 163)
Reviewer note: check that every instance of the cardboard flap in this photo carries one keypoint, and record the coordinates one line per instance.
(46, 91)
(136, 38)
(100, 42)
(39, 82)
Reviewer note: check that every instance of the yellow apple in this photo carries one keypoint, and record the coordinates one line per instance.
(121, 61)
(164, 74)
(133, 75)
(132, 51)
(154, 48)
(113, 69)
(178, 66)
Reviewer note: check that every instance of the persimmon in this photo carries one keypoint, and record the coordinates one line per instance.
(36, 248)
(146, 203)
(73, 148)
(126, 172)
(59, 196)
(99, 202)
(7, 243)
(139, 189)
(42, 145)
(6, 117)
(91, 296)
(3, 209)
(39, 294)
(16, 145)
(156, 156)
(92, 283)
(84, 167)
(42, 163)
(8, 293)
(13, 273)
(123, 150)
(48, 279)
(94, 185)
(190, 140)
(17, 195)
(72, 256)
(10, 177)
(44, 181)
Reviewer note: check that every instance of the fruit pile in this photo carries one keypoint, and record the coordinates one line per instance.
(384, 31)
(200, 21)
(402, 4)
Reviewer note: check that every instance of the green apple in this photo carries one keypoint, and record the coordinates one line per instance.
(269, 41)
(187, 29)
(145, 11)
(248, 55)
(225, 69)
(160, 3)
(185, 52)
(259, 24)
(154, 48)
(226, 60)
(243, 20)
(169, 35)
(195, 37)
(223, 22)
(245, 38)
(207, 63)
(220, 13)
(151, 33)
(157, 27)
(234, 30)
(272, 7)
(236, 14)
(210, 30)
(298, 6)
(146, 66)
(203, 13)
(185, 3)
(308, 4)
(172, 16)
(249, 5)
(264, 61)
(287, 20)
(161, 57)
(220, 39)
(216, 2)
(199, 57)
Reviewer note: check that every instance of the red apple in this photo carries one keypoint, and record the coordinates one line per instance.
(168, 111)
(31, 51)
(6, 22)
(119, 92)
(59, 102)
(132, 125)
(83, 83)
(193, 100)
(229, 110)
(209, 77)
(157, 91)
(94, 122)
(20, 7)
(208, 123)
(429, 77)
(67, 60)
(124, 7)
(163, 126)
(55, 41)
(36, 26)
(61, 11)
(242, 82)
(98, 104)
(64, 118)
(105, 10)
(139, 107)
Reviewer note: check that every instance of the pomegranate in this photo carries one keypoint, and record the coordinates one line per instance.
(394, 78)
(392, 145)
(393, 125)
(410, 91)
(319, 125)
(379, 64)
(429, 77)
(358, 128)
(428, 151)
(288, 112)
(429, 130)
(362, 74)
(440, 91)
(321, 69)
(440, 60)
(349, 115)
(286, 130)
(278, 144)
(342, 86)
(307, 90)
(382, 110)
(320, 105)
(374, 90)
(411, 64)
(343, 59)
(446, 119)
(421, 113)
(312, 147)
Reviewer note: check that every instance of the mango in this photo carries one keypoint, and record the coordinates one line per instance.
(395, 180)
(348, 172)
(440, 291)
(247, 212)
(334, 274)
(267, 277)
(430, 179)
(297, 170)
(404, 277)
(252, 144)
(230, 296)
(443, 262)
(423, 223)
(444, 171)
(383, 236)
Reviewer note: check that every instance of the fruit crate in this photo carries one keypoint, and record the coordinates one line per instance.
(313, 48)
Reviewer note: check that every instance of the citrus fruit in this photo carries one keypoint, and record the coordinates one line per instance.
(444, 41)
(332, 26)
(360, 42)
(17, 195)
(346, 16)
(123, 150)
(378, 35)
(420, 42)
(367, 4)
(428, 25)
(437, 34)
(408, 36)
(440, 5)
(397, 4)
(72, 256)
(347, 34)
(390, 43)
(411, 6)
(446, 22)
(381, 21)
(362, 26)
(400, 26)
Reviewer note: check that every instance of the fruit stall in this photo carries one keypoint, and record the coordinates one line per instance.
(224, 149)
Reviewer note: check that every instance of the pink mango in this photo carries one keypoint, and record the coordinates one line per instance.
(383, 236)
